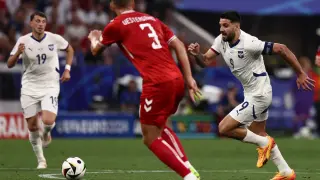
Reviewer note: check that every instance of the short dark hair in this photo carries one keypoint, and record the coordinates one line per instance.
(121, 3)
(233, 16)
(38, 13)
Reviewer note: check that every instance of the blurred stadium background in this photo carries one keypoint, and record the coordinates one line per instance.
(102, 98)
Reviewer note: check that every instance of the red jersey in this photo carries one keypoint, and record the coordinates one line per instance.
(144, 40)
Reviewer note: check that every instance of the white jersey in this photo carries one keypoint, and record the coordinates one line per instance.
(245, 61)
(40, 63)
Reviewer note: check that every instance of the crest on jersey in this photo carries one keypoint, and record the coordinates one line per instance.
(240, 54)
(51, 47)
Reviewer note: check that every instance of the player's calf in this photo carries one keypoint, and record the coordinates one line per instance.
(230, 127)
(172, 139)
(276, 156)
(150, 133)
(35, 141)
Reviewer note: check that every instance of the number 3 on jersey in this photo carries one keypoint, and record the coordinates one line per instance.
(156, 43)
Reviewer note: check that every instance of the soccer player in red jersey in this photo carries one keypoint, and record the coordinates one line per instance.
(146, 42)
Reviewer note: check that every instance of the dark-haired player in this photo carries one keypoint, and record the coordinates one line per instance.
(243, 54)
(146, 41)
(40, 79)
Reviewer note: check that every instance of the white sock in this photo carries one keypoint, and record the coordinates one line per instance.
(190, 176)
(188, 164)
(279, 161)
(35, 140)
(48, 128)
(255, 139)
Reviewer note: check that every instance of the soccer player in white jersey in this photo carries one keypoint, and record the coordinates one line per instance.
(243, 54)
(40, 80)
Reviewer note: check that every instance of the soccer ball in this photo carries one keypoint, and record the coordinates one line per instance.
(73, 168)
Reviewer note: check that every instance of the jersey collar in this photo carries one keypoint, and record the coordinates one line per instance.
(234, 44)
(39, 39)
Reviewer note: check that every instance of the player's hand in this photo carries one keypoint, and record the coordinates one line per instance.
(194, 92)
(304, 82)
(21, 48)
(65, 76)
(95, 34)
(194, 49)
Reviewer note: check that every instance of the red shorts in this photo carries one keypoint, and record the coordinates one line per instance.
(159, 101)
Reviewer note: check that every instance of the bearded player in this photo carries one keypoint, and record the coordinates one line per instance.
(243, 54)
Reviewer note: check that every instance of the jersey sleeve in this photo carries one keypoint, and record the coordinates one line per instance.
(168, 34)
(258, 47)
(15, 48)
(216, 46)
(111, 34)
(62, 44)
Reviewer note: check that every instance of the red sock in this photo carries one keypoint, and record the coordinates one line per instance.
(172, 139)
(169, 156)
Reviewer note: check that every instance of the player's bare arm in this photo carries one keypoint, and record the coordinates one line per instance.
(202, 60)
(66, 74)
(14, 58)
(303, 81)
(182, 55)
(179, 48)
(96, 46)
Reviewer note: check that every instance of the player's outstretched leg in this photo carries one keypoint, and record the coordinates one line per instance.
(152, 139)
(172, 139)
(48, 119)
(35, 140)
(231, 128)
(284, 170)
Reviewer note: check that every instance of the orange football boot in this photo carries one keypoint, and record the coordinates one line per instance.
(265, 152)
(278, 176)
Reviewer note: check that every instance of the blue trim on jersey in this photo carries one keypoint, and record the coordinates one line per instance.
(39, 39)
(254, 113)
(259, 75)
(234, 44)
(57, 70)
(266, 110)
(65, 48)
(268, 48)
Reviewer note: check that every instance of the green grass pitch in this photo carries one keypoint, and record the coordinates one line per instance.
(128, 159)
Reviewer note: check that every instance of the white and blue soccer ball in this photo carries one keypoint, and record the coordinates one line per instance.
(73, 168)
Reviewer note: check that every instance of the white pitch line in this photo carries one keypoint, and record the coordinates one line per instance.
(28, 169)
(54, 176)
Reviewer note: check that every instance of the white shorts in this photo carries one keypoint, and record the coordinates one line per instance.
(253, 108)
(31, 105)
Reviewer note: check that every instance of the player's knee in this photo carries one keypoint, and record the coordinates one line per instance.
(147, 140)
(32, 124)
(150, 133)
(48, 121)
(33, 127)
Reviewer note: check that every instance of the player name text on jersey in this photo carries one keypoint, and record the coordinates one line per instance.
(131, 20)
